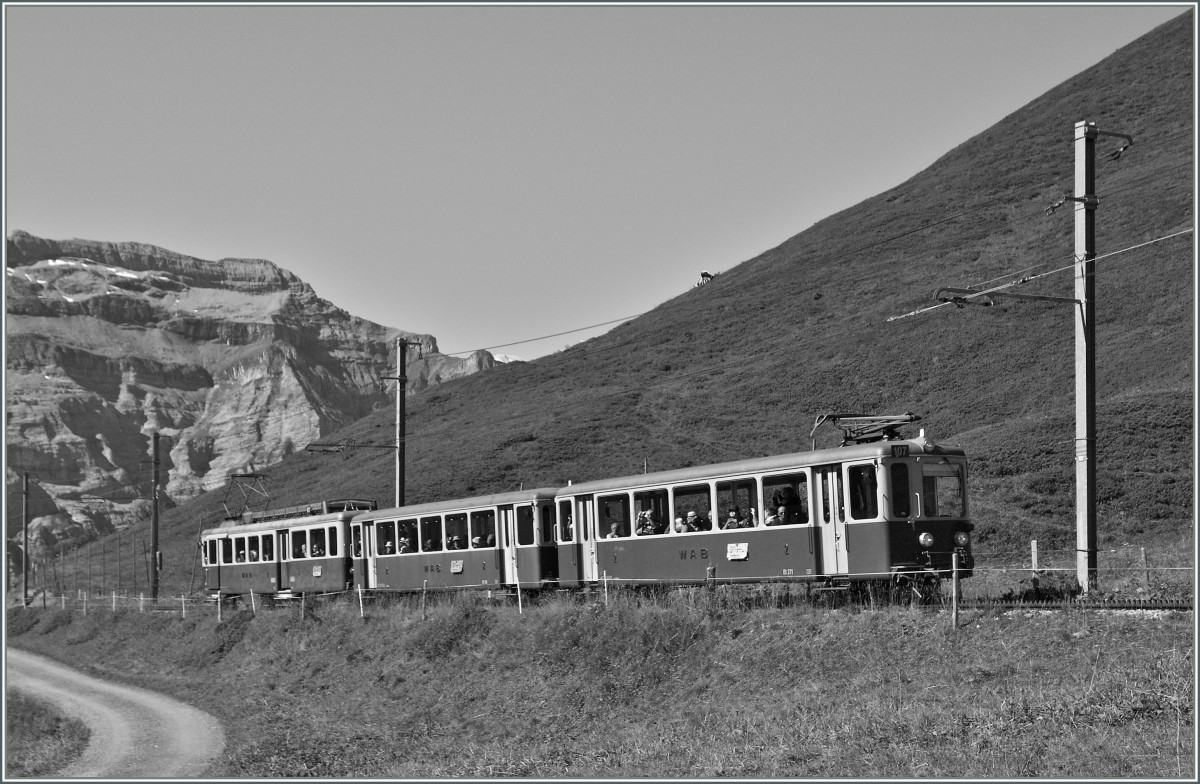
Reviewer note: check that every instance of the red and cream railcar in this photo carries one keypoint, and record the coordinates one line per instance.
(281, 552)
(872, 511)
(491, 541)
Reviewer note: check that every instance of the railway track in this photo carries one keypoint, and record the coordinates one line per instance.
(1074, 604)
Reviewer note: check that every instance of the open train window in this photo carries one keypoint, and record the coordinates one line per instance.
(316, 543)
(385, 538)
(456, 532)
(789, 491)
(614, 516)
(406, 536)
(483, 528)
(566, 531)
(741, 498)
(694, 499)
(863, 488)
(653, 513)
(431, 534)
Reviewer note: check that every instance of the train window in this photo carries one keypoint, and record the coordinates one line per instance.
(942, 488)
(252, 549)
(525, 525)
(239, 549)
(547, 524)
(566, 532)
(653, 512)
(333, 541)
(614, 516)
(693, 508)
(385, 538)
(226, 551)
(316, 542)
(299, 544)
(456, 532)
(210, 552)
(789, 492)
(863, 487)
(483, 528)
(901, 505)
(737, 504)
(431, 534)
(407, 541)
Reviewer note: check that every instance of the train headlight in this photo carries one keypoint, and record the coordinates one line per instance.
(926, 539)
(962, 538)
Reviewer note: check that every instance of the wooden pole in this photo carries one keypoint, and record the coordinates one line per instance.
(954, 592)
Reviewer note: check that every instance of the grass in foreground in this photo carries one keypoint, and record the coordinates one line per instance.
(687, 684)
(39, 740)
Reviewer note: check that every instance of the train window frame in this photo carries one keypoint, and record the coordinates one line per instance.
(900, 489)
(408, 529)
(429, 544)
(743, 494)
(798, 484)
(526, 530)
(611, 528)
(931, 502)
(267, 548)
(546, 523)
(564, 530)
(456, 526)
(316, 539)
(483, 525)
(703, 513)
(862, 491)
(657, 501)
(332, 537)
(385, 537)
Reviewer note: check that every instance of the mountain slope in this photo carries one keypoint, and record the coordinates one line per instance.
(741, 366)
(236, 362)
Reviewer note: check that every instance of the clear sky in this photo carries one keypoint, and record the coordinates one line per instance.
(495, 174)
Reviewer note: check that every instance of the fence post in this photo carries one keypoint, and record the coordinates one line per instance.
(605, 576)
(361, 614)
(85, 604)
(1146, 569)
(114, 601)
(954, 592)
(141, 602)
(424, 586)
(253, 609)
(219, 603)
(183, 604)
(1033, 558)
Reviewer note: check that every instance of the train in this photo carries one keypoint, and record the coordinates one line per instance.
(877, 508)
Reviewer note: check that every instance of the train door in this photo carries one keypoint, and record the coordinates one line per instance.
(358, 560)
(510, 568)
(586, 523)
(830, 517)
(570, 570)
(285, 563)
(370, 562)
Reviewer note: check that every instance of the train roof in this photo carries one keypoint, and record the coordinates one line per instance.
(755, 465)
(440, 507)
(275, 523)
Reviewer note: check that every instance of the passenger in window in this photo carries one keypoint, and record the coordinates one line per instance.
(477, 542)
(749, 520)
(692, 523)
(779, 518)
(388, 547)
(317, 551)
(490, 541)
(455, 543)
(253, 557)
(733, 519)
(405, 545)
(645, 523)
(614, 531)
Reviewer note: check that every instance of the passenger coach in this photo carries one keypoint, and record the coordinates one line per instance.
(880, 510)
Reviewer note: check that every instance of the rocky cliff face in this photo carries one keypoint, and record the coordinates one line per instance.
(234, 363)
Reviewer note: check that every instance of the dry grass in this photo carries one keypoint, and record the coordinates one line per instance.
(686, 683)
(39, 741)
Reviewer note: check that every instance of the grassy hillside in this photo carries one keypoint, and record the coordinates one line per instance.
(740, 367)
(691, 685)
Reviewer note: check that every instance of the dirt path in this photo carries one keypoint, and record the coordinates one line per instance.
(135, 733)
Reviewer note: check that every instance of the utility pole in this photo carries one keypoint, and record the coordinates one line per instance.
(1086, 202)
(24, 539)
(154, 524)
(401, 393)
(1085, 354)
